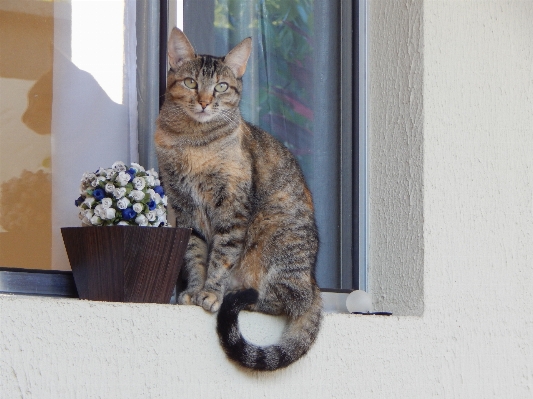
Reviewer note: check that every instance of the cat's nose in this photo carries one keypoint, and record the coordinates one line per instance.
(204, 103)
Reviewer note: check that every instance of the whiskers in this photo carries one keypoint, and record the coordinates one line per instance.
(174, 113)
(198, 128)
(230, 117)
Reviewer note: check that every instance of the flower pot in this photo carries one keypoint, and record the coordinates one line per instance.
(125, 263)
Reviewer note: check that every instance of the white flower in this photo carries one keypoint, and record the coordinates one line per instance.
(151, 193)
(123, 223)
(160, 212)
(150, 180)
(109, 187)
(119, 166)
(108, 213)
(98, 210)
(119, 192)
(157, 182)
(137, 207)
(87, 217)
(88, 177)
(89, 201)
(141, 220)
(123, 203)
(109, 173)
(139, 183)
(95, 220)
(151, 216)
(123, 178)
(96, 182)
(137, 195)
(164, 200)
(137, 167)
(107, 203)
(153, 173)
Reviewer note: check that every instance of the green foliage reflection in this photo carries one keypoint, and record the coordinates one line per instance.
(280, 72)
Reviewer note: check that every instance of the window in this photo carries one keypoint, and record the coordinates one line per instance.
(299, 86)
(302, 85)
(65, 107)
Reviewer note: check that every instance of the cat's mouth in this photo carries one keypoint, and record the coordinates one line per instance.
(203, 115)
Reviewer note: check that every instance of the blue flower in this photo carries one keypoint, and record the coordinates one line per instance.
(98, 194)
(128, 213)
(131, 172)
(151, 205)
(79, 201)
(159, 190)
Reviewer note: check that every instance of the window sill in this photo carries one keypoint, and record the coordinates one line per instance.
(257, 327)
(61, 284)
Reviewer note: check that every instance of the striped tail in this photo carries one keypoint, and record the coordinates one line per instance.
(296, 340)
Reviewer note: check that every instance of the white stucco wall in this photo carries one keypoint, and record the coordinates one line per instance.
(473, 337)
(395, 153)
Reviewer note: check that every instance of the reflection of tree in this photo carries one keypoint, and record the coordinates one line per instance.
(283, 31)
(25, 206)
(26, 201)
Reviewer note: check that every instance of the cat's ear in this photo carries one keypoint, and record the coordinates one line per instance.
(179, 48)
(237, 58)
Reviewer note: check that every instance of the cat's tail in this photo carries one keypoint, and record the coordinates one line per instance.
(296, 340)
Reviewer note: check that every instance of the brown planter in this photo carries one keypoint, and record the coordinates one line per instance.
(125, 263)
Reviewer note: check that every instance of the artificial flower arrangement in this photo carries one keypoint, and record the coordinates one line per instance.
(123, 196)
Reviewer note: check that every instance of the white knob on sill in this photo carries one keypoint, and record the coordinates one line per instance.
(359, 301)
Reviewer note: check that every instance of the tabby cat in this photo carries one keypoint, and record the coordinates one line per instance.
(254, 238)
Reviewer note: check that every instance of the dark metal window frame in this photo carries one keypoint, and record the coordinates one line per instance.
(37, 282)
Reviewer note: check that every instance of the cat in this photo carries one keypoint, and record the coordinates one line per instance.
(254, 238)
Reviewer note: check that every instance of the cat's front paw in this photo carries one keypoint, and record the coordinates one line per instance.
(208, 300)
(186, 298)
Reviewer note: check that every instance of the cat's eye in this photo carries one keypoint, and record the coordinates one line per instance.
(190, 83)
(221, 87)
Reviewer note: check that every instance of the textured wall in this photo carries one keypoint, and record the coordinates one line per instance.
(474, 339)
(395, 153)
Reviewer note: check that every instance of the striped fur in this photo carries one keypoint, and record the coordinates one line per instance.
(254, 240)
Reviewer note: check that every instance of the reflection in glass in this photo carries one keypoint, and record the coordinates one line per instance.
(278, 89)
(26, 73)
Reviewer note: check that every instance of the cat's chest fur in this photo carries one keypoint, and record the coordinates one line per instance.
(204, 176)
(210, 169)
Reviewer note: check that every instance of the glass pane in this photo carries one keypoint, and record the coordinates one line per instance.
(64, 110)
(290, 89)
(278, 89)
(26, 75)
